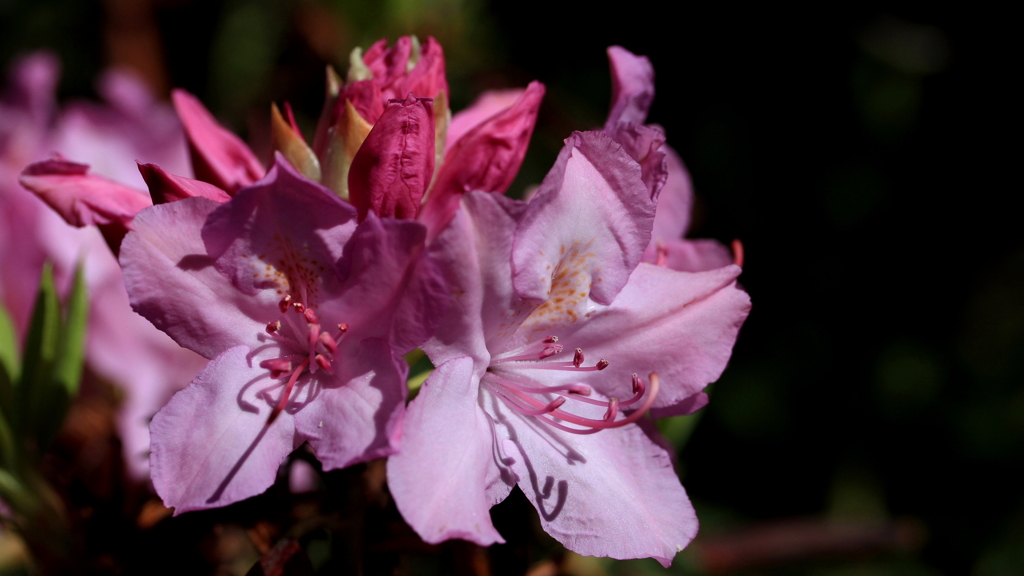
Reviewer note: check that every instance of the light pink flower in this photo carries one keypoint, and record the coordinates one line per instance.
(304, 315)
(557, 342)
(121, 347)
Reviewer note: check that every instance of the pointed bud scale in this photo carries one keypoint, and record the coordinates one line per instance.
(287, 140)
(601, 364)
(357, 68)
(392, 169)
(577, 358)
(328, 113)
(346, 137)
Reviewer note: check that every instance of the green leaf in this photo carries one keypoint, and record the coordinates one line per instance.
(9, 365)
(8, 455)
(71, 343)
(40, 351)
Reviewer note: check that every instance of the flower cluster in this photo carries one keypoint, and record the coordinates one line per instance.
(557, 326)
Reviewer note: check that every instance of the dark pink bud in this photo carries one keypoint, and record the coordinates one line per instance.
(218, 156)
(395, 164)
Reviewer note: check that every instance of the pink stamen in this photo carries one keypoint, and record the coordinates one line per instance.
(285, 303)
(287, 391)
(342, 327)
(312, 336)
(577, 358)
(601, 364)
(329, 343)
(311, 316)
(613, 410)
(299, 307)
(550, 340)
(324, 363)
(274, 327)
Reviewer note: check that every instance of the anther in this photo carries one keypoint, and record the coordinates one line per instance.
(277, 366)
(274, 327)
(285, 303)
(550, 340)
(323, 362)
(638, 384)
(299, 307)
(329, 343)
(313, 336)
(343, 327)
(580, 389)
(662, 255)
(613, 410)
(601, 364)
(577, 358)
(311, 316)
(550, 351)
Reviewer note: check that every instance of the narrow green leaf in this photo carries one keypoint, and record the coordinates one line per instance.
(71, 341)
(40, 350)
(8, 456)
(9, 365)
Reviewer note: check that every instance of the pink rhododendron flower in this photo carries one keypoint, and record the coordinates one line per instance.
(557, 342)
(304, 315)
(632, 95)
(121, 347)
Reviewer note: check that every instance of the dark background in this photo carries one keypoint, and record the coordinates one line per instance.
(862, 155)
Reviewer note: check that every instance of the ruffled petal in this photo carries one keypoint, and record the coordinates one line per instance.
(486, 105)
(212, 444)
(586, 228)
(173, 282)
(391, 289)
(218, 156)
(613, 493)
(632, 87)
(446, 478)
(283, 235)
(357, 414)
(83, 199)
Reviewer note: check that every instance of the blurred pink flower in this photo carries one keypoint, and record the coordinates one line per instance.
(121, 346)
(541, 290)
(304, 315)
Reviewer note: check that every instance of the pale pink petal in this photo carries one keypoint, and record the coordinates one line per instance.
(357, 415)
(632, 87)
(166, 255)
(681, 325)
(391, 290)
(166, 187)
(393, 167)
(487, 158)
(447, 476)
(246, 237)
(475, 254)
(486, 105)
(675, 202)
(212, 443)
(590, 221)
(218, 156)
(689, 255)
(645, 145)
(614, 493)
